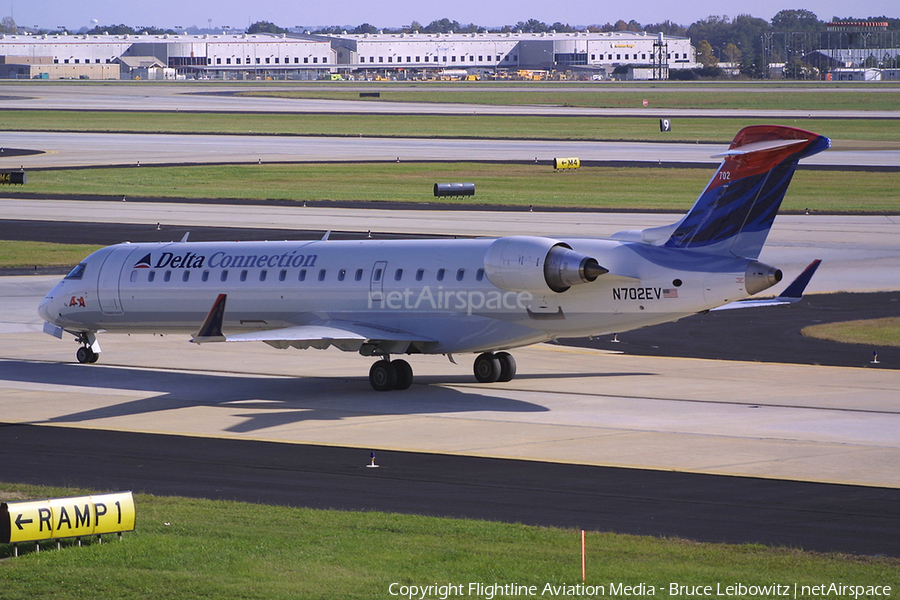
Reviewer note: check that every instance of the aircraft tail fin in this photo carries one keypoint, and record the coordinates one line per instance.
(735, 212)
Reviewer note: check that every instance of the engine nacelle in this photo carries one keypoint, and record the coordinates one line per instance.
(759, 277)
(537, 264)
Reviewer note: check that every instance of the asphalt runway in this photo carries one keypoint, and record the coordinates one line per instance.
(812, 516)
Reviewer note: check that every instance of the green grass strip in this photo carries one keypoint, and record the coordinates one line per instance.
(811, 98)
(186, 548)
(685, 129)
(19, 254)
(522, 185)
(872, 332)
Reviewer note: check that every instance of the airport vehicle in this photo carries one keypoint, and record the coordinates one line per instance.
(483, 296)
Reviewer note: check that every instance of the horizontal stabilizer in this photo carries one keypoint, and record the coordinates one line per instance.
(793, 293)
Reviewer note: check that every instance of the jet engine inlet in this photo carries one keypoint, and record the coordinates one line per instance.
(759, 277)
(536, 264)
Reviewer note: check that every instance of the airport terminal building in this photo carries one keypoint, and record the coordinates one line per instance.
(626, 55)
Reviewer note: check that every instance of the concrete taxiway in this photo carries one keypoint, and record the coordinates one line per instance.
(811, 423)
(62, 149)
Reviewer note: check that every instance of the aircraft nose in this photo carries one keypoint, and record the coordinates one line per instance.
(48, 309)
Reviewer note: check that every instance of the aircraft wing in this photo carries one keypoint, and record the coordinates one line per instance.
(792, 293)
(345, 335)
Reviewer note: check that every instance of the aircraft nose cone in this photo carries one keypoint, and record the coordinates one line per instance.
(45, 307)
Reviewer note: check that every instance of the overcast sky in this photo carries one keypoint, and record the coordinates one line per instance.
(74, 14)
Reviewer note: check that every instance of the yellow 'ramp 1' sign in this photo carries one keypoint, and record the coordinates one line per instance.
(39, 520)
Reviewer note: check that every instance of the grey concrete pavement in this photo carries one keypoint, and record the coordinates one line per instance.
(108, 149)
(566, 405)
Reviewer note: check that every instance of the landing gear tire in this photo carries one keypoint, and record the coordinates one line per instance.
(85, 355)
(383, 376)
(487, 368)
(507, 366)
(404, 374)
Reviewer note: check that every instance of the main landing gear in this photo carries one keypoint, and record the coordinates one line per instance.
(490, 367)
(389, 374)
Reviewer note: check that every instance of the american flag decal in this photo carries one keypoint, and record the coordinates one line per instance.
(670, 293)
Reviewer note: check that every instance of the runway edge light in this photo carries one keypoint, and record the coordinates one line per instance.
(59, 518)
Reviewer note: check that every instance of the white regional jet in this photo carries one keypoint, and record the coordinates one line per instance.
(484, 296)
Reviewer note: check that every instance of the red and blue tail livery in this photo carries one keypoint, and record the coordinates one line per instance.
(736, 210)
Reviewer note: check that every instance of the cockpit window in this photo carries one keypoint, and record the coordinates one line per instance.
(77, 272)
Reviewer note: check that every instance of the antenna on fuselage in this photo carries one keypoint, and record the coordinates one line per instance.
(185, 238)
(327, 235)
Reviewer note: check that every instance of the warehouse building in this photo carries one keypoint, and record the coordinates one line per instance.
(587, 52)
(292, 56)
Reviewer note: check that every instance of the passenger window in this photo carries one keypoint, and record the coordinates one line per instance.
(244, 275)
(398, 274)
(419, 274)
(186, 276)
(133, 276)
(282, 275)
(479, 274)
(263, 274)
(321, 274)
(460, 274)
(204, 276)
(377, 275)
(359, 273)
(151, 276)
(302, 275)
(77, 272)
(167, 276)
(440, 275)
(225, 275)
(341, 274)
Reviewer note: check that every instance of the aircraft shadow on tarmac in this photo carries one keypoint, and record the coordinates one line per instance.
(279, 400)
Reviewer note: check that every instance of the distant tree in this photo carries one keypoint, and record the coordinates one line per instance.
(442, 26)
(330, 30)
(266, 27)
(668, 28)
(8, 25)
(112, 30)
(414, 26)
(714, 29)
(152, 30)
(363, 29)
(705, 54)
(634, 26)
(797, 20)
(731, 53)
(559, 27)
(621, 25)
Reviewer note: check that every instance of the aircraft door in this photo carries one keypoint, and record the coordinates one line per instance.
(109, 280)
(376, 284)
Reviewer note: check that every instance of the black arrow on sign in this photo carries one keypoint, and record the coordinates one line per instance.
(20, 520)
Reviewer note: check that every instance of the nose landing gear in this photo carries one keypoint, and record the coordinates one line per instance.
(89, 352)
